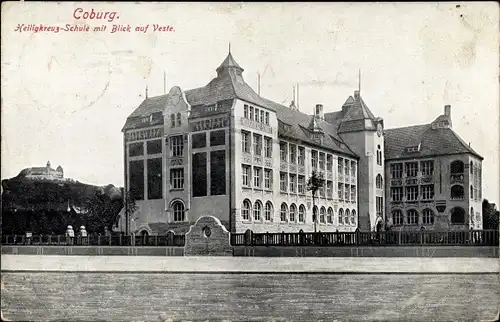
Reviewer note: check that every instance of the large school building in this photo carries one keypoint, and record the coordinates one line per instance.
(225, 151)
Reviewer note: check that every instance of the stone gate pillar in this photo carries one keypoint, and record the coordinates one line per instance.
(208, 237)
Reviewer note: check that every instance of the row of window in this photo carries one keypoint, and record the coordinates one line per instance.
(412, 217)
(198, 141)
(152, 147)
(256, 114)
(261, 144)
(262, 178)
(258, 213)
(411, 169)
(412, 192)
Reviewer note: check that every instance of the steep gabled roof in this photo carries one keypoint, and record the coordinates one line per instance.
(433, 142)
(354, 113)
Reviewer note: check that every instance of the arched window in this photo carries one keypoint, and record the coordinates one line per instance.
(457, 215)
(315, 214)
(257, 210)
(178, 119)
(245, 209)
(346, 217)
(144, 233)
(293, 211)
(412, 217)
(353, 217)
(302, 213)
(172, 120)
(329, 217)
(341, 216)
(322, 214)
(471, 215)
(268, 211)
(428, 216)
(379, 182)
(283, 213)
(397, 217)
(457, 192)
(471, 167)
(457, 167)
(178, 211)
(471, 192)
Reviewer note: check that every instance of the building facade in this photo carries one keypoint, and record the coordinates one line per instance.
(223, 150)
(433, 178)
(43, 173)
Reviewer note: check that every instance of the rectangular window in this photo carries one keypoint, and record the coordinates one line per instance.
(199, 170)
(257, 114)
(246, 175)
(411, 169)
(262, 116)
(177, 146)
(267, 118)
(397, 194)
(176, 178)
(251, 113)
(347, 167)
(322, 191)
(257, 177)
(353, 193)
(353, 169)
(268, 178)
(322, 161)
(412, 193)
(427, 167)
(245, 111)
(314, 158)
(301, 185)
(427, 192)
(199, 140)
(329, 188)
(268, 147)
(340, 164)
(283, 151)
(218, 172)
(396, 170)
(172, 120)
(301, 156)
(257, 144)
(283, 182)
(380, 206)
(293, 183)
(154, 178)
(329, 162)
(340, 190)
(347, 193)
(245, 141)
(135, 149)
(217, 138)
(293, 153)
(154, 147)
(136, 173)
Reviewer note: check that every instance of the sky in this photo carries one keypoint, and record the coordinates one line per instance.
(66, 95)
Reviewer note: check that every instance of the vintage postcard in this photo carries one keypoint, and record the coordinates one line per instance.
(250, 161)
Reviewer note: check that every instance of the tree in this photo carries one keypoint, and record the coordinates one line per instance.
(315, 182)
(490, 215)
(101, 211)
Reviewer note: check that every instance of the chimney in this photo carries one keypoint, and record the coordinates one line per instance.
(447, 110)
(318, 111)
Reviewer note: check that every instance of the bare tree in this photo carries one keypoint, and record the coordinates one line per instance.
(315, 182)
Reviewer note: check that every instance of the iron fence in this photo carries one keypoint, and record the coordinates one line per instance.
(94, 240)
(358, 238)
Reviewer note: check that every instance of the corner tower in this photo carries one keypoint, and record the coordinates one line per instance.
(364, 134)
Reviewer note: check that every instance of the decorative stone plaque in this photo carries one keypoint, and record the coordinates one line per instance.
(208, 237)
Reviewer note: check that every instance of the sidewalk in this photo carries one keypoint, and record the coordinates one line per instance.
(171, 264)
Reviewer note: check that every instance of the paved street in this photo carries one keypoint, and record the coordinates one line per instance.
(256, 297)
